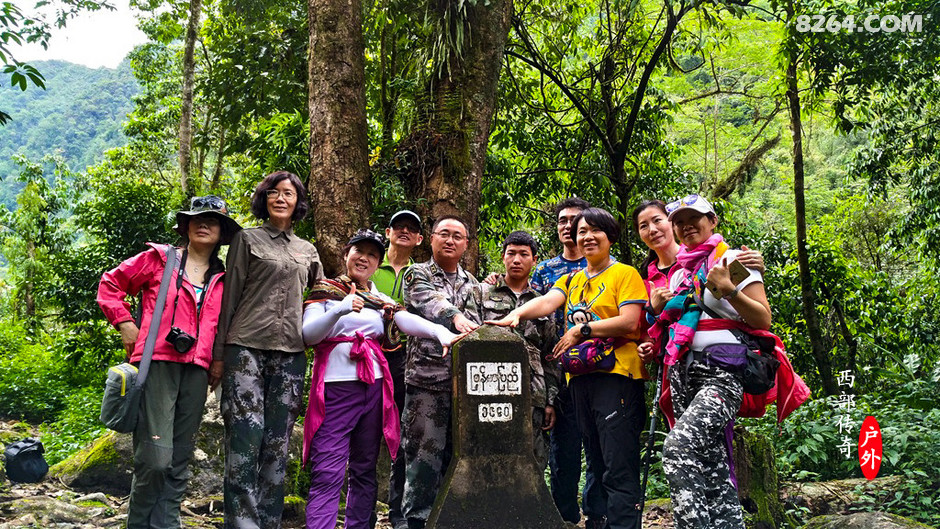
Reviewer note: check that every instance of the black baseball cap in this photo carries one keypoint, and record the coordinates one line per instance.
(365, 234)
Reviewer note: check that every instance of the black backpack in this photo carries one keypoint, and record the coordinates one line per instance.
(24, 461)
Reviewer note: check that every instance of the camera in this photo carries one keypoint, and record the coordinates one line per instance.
(181, 340)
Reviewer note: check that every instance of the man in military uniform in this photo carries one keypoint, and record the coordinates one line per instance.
(512, 290)
(439, 290)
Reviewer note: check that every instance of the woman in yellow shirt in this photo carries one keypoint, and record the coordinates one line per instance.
(602, 301)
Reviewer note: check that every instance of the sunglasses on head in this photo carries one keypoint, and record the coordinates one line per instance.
(367, 233)
(208, 203)
(686, 201)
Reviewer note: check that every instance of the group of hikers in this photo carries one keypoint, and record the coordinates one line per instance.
(379, 336)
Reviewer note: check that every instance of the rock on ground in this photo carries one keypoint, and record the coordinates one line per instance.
(106, 465)
(864, 520)
(832, 497)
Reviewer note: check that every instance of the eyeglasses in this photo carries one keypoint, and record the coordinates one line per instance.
(274, 193)
(208, 203)
(456, 237)
(686, 201)
(563, 221)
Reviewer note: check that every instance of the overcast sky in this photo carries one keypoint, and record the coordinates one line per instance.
(97, 39)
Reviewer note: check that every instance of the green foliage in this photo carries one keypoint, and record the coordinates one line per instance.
(34, 233)
(808, 441)
(255, 68)
(76, 426)
(914, 497)
(30, 386)
(808, 445)
(903, 151)
(153, 125)
(44, 382)
(281, 144)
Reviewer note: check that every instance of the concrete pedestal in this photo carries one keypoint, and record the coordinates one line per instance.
(493, 481)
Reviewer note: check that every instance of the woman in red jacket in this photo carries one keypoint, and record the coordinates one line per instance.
(175, 392)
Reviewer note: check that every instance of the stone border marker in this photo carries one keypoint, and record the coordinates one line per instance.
(493, 481)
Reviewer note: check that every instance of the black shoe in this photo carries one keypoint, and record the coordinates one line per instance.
(596, 523)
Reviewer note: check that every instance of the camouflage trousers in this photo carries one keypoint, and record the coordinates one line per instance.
(540, 439)
(695, 457)
(261, 398)
(426, 438)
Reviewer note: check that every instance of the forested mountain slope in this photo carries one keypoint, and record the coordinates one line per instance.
(79, 113)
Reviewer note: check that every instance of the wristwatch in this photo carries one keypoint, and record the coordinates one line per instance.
(586, 330)
(731, 295)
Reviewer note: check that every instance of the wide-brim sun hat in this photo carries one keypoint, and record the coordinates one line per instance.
(689, 202)
(209, 205)
(367, 235)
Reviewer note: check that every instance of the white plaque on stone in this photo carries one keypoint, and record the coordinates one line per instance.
(494, 378)
(495, 412)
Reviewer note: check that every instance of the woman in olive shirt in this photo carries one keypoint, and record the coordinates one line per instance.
(259, 351)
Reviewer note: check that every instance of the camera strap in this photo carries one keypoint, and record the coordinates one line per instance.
(179, 286)
(156, 316)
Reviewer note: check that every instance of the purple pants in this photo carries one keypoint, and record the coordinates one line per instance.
(351, 432)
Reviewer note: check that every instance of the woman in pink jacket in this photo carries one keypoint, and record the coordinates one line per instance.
(175, 391)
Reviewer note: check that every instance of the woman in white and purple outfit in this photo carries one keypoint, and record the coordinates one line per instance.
(351, 405)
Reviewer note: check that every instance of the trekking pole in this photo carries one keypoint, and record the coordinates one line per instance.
(650, 443)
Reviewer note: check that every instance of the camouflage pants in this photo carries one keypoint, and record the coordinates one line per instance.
(426, 437)
(261, 398)
(540, 439)
(695, 459)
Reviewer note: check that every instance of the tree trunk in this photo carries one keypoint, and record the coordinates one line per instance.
(823, 363)
(186, 105)
(850, 341)
(220, 158)
(758, 481)
(624, 189)
(450, 150)
(29, 301)
(339, 184)
(388, 67)
(724, 188)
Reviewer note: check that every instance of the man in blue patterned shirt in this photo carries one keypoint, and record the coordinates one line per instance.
(565, 454)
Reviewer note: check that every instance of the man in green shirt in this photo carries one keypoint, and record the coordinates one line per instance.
(403, 234)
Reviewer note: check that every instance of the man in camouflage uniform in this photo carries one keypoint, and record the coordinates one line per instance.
(513, 290)
(441, 291)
